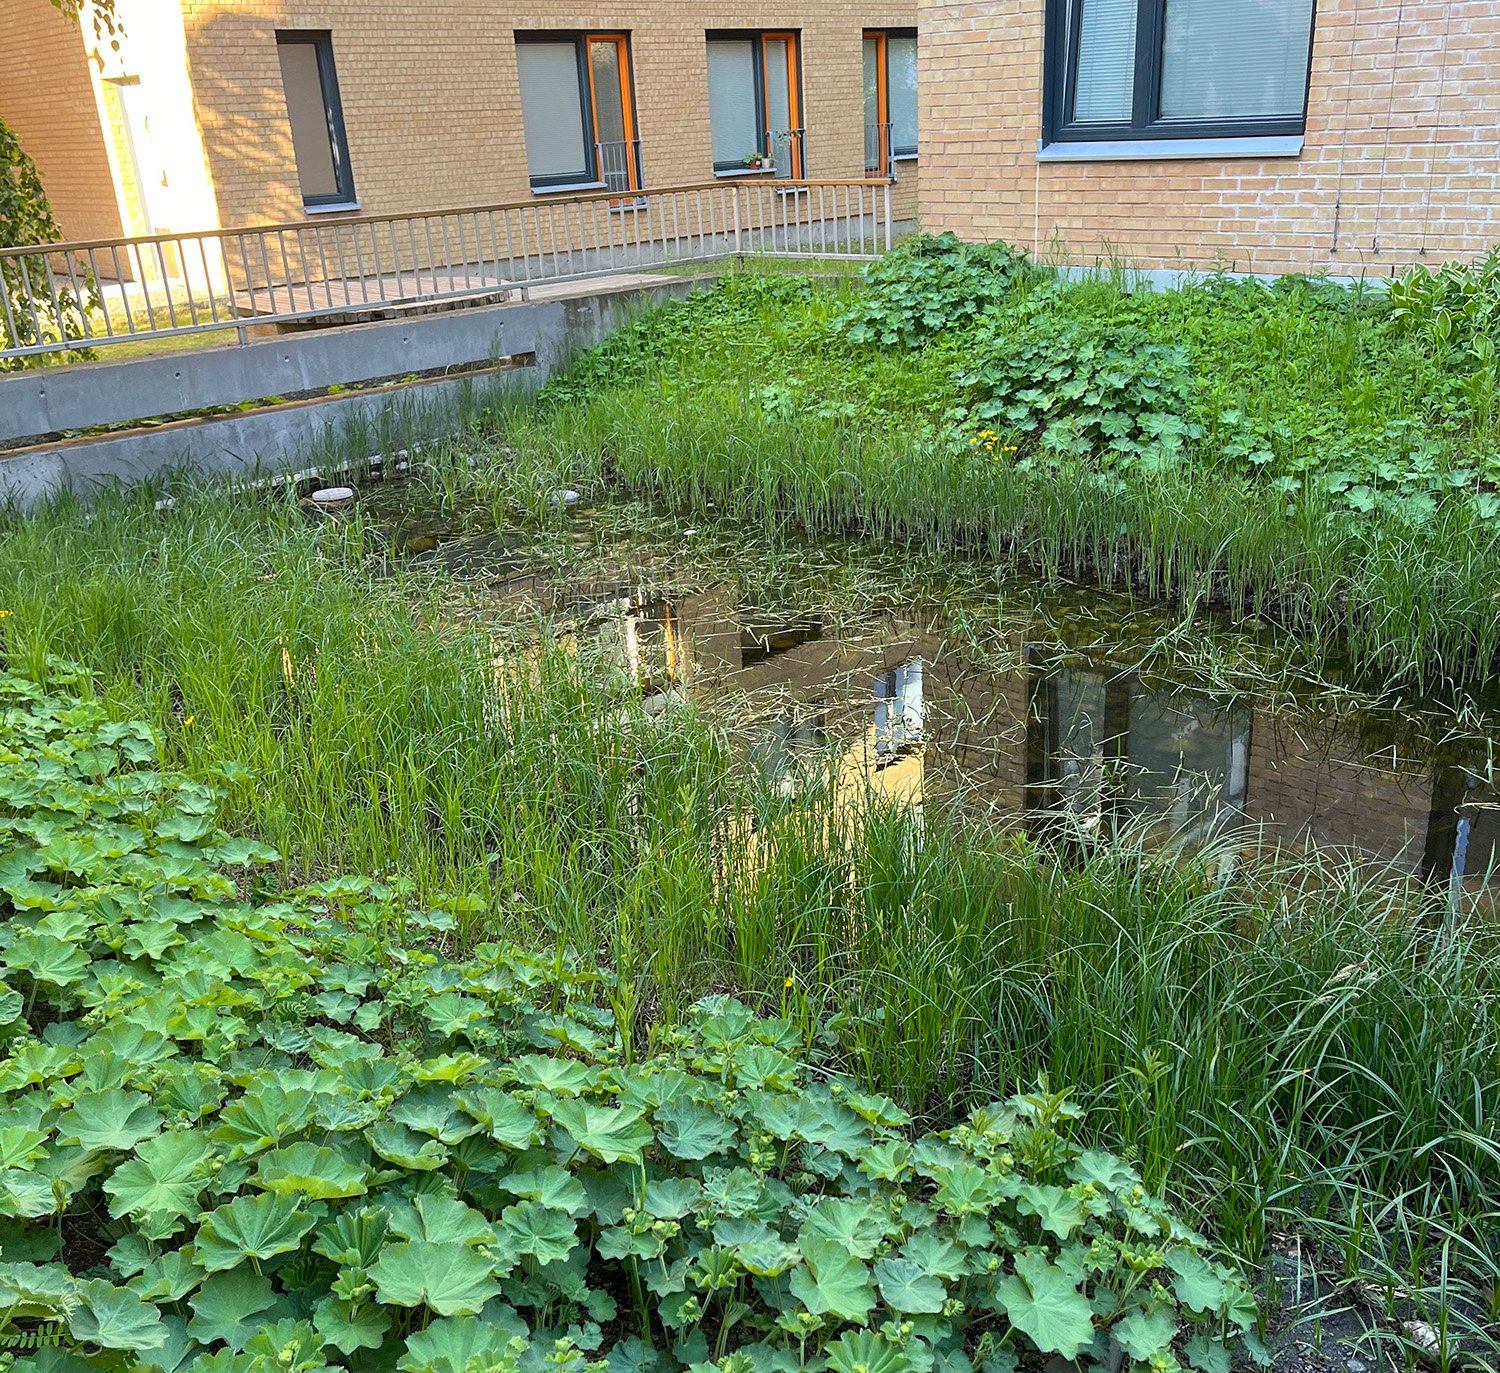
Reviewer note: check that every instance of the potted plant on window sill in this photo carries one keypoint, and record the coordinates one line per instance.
(755, 162)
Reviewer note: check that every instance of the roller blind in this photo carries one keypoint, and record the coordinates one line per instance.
(1242, 60)
(306, 107)
(1105, 85)
(609, 92)
(733, 118)
(901, 59)
(551, 111)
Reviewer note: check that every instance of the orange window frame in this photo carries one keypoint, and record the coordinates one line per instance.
(882, 101)
(627, 98)
(794, 91)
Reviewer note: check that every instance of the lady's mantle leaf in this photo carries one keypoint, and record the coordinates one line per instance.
(908, 1289)
(1045, 1304)
(832, 1281)
(314, 1170)
(460, 1343)
(226, 1306)
(608, 1135)
(251, 1228)
(110, 1119)
(113, 1318)
(452, 1279)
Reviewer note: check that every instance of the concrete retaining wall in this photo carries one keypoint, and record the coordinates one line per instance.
(534, 338)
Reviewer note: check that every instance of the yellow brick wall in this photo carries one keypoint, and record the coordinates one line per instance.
(431, 94)
(47, 97)
(1399, 165)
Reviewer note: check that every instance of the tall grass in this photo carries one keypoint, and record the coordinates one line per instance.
(1284, 1048)
(751, 405)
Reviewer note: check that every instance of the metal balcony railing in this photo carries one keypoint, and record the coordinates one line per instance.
(787, 149)
(878, 158)
(619, 165)
(59, 297)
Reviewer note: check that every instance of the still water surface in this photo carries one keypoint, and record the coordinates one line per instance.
(1041, 708)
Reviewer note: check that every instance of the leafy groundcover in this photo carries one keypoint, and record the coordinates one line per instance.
(251, 1129)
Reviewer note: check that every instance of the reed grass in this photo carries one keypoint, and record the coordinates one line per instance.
(1290, 1048)
(748, 404)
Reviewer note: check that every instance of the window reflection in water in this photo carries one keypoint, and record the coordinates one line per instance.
(1105, 752)
(898, 709)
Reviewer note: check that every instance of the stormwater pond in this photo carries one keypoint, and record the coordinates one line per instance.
(1053, 710)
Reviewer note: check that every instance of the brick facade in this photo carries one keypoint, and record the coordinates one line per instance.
(1399, 164)
(47, 97)
(430, 95)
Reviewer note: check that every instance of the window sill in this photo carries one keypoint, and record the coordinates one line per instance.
(572, 188)
(343, 207)
(905, 157)
(1171, 149)
(747, 171)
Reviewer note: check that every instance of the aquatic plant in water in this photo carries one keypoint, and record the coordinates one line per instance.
(247, 1128)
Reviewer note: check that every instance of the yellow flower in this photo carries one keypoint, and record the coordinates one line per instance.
(790, 983)
(188, 719)
(4, 614)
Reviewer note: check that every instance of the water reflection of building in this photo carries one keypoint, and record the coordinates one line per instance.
(1086, 746)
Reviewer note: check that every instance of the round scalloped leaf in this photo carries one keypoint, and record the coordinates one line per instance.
(1044, 1304)
(832, 1282)
(314, 1170)
(908, 1289)
(161, 1182)
(226, 1306)
(457, 1344)
(348, 1327)
(114, 1318)
(550, 1235)
(250, 1228)
(452, 1279)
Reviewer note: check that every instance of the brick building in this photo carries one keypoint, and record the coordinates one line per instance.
(1350, 136)
(231, 112)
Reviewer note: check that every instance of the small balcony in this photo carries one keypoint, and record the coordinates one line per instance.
(785, 153)
(879, 161)
(619, 165)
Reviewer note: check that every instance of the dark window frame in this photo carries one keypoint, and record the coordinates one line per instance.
(321, 41)
(591, 174)
(1064, 28)
(757, 40)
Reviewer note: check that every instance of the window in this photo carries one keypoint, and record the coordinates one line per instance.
(1184, 69)
(317, 119)
(898, 709)
(890, 98)
(578, 109)
(755, 103)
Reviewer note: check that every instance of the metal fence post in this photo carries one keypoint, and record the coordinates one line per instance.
(739, 252)
(888, 216)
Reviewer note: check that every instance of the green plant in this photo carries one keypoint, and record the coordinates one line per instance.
(249, 1128)
(41, 310)
(1452, 305)
(1106, 395)
(928, 286)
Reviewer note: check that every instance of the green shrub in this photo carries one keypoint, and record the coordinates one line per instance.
(1453, 306)
(26, 218)
(929, 286)
(1083, 390)
(250, 1130)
